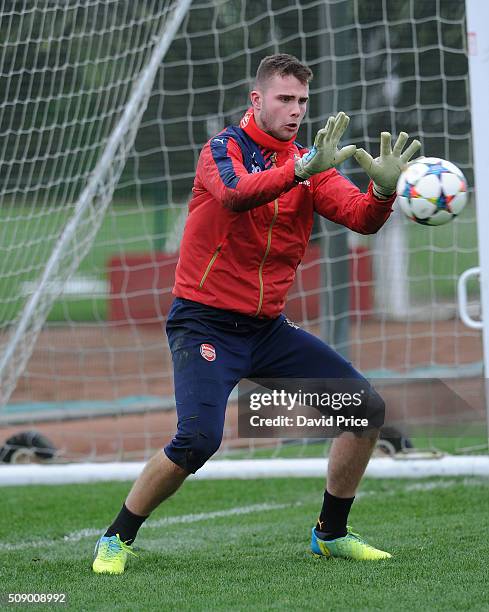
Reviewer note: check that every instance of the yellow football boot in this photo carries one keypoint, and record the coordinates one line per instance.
(111, 555)
(350, 546)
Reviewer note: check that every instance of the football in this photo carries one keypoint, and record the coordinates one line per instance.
(432, 191)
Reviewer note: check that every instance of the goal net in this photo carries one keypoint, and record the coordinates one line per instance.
(104, 109)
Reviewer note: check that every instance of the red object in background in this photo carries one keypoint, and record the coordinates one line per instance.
(141, 285)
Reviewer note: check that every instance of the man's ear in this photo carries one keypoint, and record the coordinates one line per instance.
(256, 99)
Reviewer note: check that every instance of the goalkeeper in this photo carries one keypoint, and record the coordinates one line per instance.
(250, 218)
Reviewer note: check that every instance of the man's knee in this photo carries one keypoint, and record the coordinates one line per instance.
(203, 446)
(372, 413)
(191, 450)
(375, 410)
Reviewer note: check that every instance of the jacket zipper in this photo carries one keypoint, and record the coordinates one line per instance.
(209, 266)
(267, 251)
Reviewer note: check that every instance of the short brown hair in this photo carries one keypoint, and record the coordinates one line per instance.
(282, 64)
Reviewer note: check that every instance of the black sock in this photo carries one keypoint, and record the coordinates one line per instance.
(334, 515)
(126, 525)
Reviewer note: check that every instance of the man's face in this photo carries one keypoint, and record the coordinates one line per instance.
(279, 106)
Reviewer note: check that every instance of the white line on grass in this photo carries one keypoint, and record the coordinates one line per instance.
(91, 532)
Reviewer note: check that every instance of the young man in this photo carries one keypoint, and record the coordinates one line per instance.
(249, 223)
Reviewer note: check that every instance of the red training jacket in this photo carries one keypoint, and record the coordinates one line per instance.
(249, 221)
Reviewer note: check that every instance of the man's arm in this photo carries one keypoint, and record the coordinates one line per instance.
(223, 174)
(338, 199)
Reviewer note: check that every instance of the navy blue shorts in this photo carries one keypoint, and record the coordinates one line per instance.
(213, 349)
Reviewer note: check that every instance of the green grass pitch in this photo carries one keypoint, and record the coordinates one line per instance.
(256, 559)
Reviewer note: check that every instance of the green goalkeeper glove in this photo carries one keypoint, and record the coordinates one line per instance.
(386, 169)
(325, 154)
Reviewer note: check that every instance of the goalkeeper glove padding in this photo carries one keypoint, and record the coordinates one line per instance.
(325, 153)
(386, 169)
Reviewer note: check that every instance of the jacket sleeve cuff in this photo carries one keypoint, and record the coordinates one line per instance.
(382, 201)
(289, 171)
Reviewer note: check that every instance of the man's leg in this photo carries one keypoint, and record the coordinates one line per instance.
(349, 456)
(159, 479)
(197, 439)
(203, 382)
(348, 459)
(289, 352)
(198, 436)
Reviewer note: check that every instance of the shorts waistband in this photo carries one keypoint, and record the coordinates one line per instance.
(229, 316)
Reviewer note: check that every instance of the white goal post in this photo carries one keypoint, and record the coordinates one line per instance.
(478, 49)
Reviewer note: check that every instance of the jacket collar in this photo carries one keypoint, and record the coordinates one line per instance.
(248, 124)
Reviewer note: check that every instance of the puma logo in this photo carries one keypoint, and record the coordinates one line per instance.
(221, 140)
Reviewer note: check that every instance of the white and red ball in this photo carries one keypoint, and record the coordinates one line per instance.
(432, 191)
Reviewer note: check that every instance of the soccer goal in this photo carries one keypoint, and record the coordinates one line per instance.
(104, 107)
